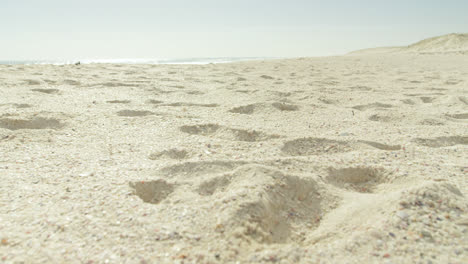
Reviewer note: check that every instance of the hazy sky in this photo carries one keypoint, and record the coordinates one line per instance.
(71, 29)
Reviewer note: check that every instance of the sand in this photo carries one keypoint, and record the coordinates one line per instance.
(451, 43)
(352, 159)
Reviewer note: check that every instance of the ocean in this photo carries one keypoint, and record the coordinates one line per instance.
(134, 61)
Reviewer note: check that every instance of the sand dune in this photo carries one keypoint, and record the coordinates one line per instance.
(442, 44)
(451, 43)
(353, 159)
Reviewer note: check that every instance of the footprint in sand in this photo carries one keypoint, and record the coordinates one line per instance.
(251, 108)
(328, 101)
(214, 130)
(246, 109)
(194, 92)
(381, 118)
(372, 106)
(46, 91)
(360, 88)
(265, 205)
(431, 122)
(178, 104)
(268, 206)
(152, 101)
(119, 102)
(408, 101)
(459, 116)
(134, 113)
(32, 82)
(215, 184)
(285, 106)
(22, 105)
(154, 191)
(358, 179)
(33, 123)
(244, 91)
(118, 84)
(427, 99)
(453, 81)
(440, 142)
(282, 95)
(176, 86)
(177, 154)
(320, 146)
(315, 146)
(72, 82)
(267, 77)
(51, 82)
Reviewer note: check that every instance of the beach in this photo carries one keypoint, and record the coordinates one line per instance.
(347, 159)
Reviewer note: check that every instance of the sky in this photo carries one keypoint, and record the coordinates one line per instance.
(117, 29)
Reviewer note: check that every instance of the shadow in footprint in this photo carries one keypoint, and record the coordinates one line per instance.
(246, 109)
(285, 106)
(408, 101)
(267, 77)
(459, 116)
(152, 191)
(431, 122)
(177, 154)
(380, 118)
(203, 130)
(221, 132)
(440, 142)
(34, 123)
(209, 187)
(426, 99)
(314, 146)
(372, 106)
(32, 82)
(189, 104)
(46, 91)
(358, 179)
(72, 82)
(118, 84)
(134, 113)
(119, 102)
(22, 105)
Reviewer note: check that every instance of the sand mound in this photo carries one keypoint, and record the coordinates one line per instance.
(274, 206)
(451, 43)
(441, 44)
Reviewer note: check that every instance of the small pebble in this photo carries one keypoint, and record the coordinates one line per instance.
(402, 214)
(427, 235)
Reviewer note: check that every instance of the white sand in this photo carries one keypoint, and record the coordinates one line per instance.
(355, 159)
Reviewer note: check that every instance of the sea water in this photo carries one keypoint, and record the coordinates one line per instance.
(135, 61)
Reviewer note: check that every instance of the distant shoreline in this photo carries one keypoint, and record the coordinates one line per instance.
(135, 61)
